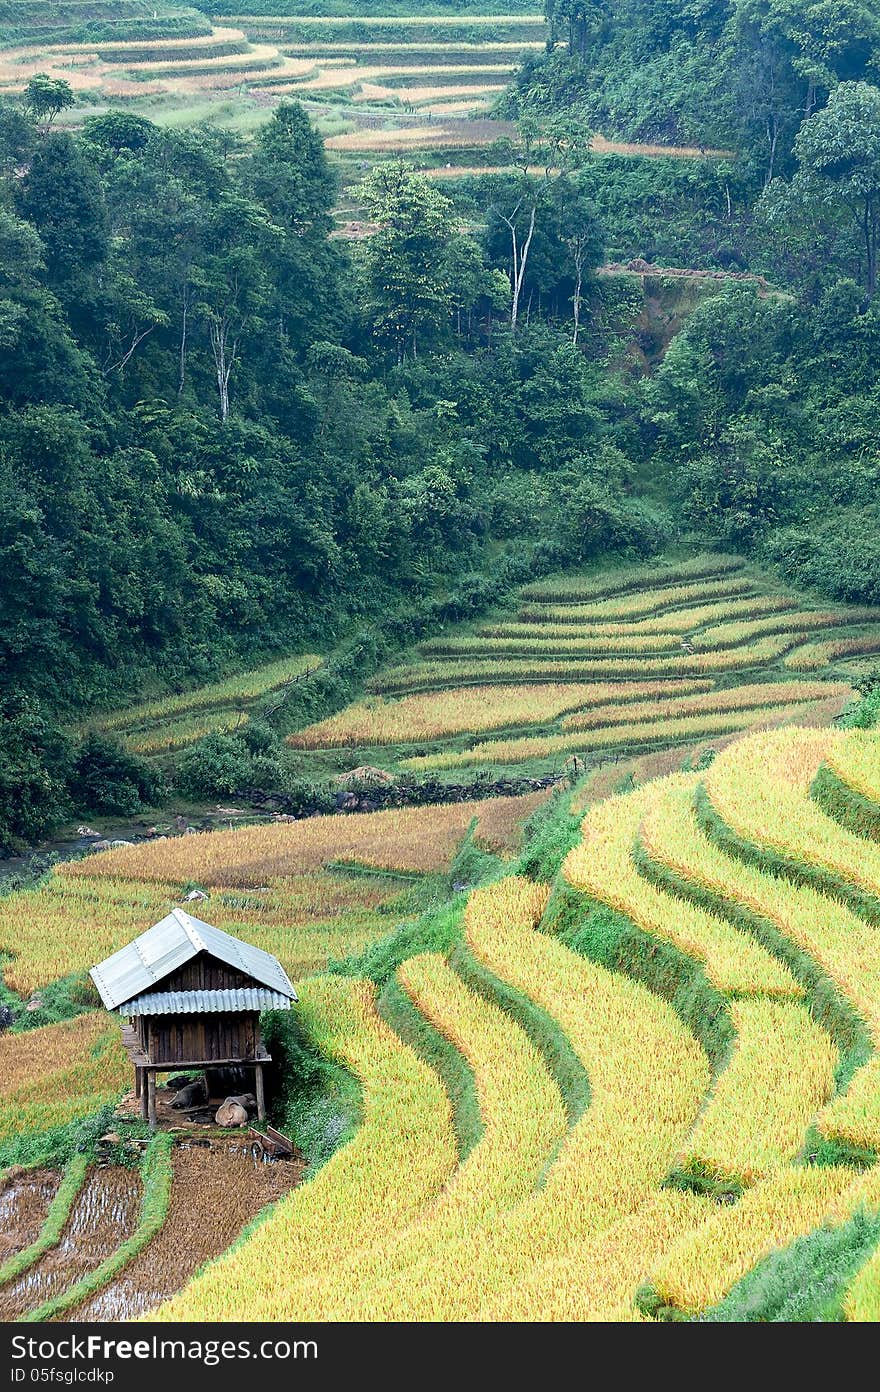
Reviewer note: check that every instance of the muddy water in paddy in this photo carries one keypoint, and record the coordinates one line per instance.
(24, 1203)
(215, 1192)
(104, 1214)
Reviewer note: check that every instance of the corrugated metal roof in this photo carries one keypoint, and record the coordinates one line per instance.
(202, 1002)
(171, 943)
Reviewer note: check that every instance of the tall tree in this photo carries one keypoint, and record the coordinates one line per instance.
(838, 152)
(47, 97)
(404, 262)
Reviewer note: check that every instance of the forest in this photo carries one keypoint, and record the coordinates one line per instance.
(227, 435)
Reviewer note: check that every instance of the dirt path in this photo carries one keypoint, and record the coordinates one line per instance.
(24, 1203)
(104, 1214)
(215, 1192)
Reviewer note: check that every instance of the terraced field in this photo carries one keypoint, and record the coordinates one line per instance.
(598, 668)
(516, 1151)
(401, 82)
(422, 85)
(592, 1184)
(172, 722)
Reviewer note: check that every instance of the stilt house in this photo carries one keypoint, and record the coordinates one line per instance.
(192, 996)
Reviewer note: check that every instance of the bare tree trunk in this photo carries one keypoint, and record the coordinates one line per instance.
(869, 227)
(520, 257)
(184, 325)
(773, 137)
(224, 353)
(136, 341)
(577, 300)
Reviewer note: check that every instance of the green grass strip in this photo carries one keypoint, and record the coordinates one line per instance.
(440, 1054)
(72, 1181)
(831, 1010)
(773, 862)
(562, 1062)
(803, 1283)
(846, 805)
(156, 1174)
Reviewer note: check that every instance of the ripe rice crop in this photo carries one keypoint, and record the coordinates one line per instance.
(688, 620)
(473, 708)
(780, 1073)
(663, 731)
(247, 686)
(51, 1075)
(845, 947)
(523, 1117)
(572, 589)
(398, 1161)
(438, 675)
(601, 1281)
(176, 734)
(855, 759)
(412, 838)
(69, 922)
(811, 656)
(733, 699)
(535, 645)
(676, 621)
(601, 866)
(639, 603)
(760, 789)
(615, 1154)
(729, 634)
(700, 1269)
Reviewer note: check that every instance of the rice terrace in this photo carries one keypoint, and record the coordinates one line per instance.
(439, 664)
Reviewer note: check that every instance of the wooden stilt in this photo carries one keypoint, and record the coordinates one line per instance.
(144, 1097)
(151, 1099)
(261, 1093)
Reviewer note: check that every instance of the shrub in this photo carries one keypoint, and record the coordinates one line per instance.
(221, 765)
(34, 763)
(107, 778)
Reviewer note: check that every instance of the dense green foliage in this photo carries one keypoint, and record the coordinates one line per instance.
(742, 72)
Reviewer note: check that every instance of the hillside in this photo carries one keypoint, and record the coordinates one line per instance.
(724, 1186)
(439, 671)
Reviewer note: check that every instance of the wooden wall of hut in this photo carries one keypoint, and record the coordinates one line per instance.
(186, 1039)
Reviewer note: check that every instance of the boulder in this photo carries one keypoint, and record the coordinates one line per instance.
(231, 1113)
(114, 845)
(193, 1095)
(194, 894)
(100, 846)
(35, 1003)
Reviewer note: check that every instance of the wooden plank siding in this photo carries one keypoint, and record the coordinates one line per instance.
(180, 1039)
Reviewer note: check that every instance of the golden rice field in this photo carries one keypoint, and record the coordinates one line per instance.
(53, 1075)
(171, 722)
(671, 1025)
(267, 884)
(595, 667)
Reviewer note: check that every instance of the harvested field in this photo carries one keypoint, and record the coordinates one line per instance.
(216, 1191)
(104, 1215)
(24, 1203)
